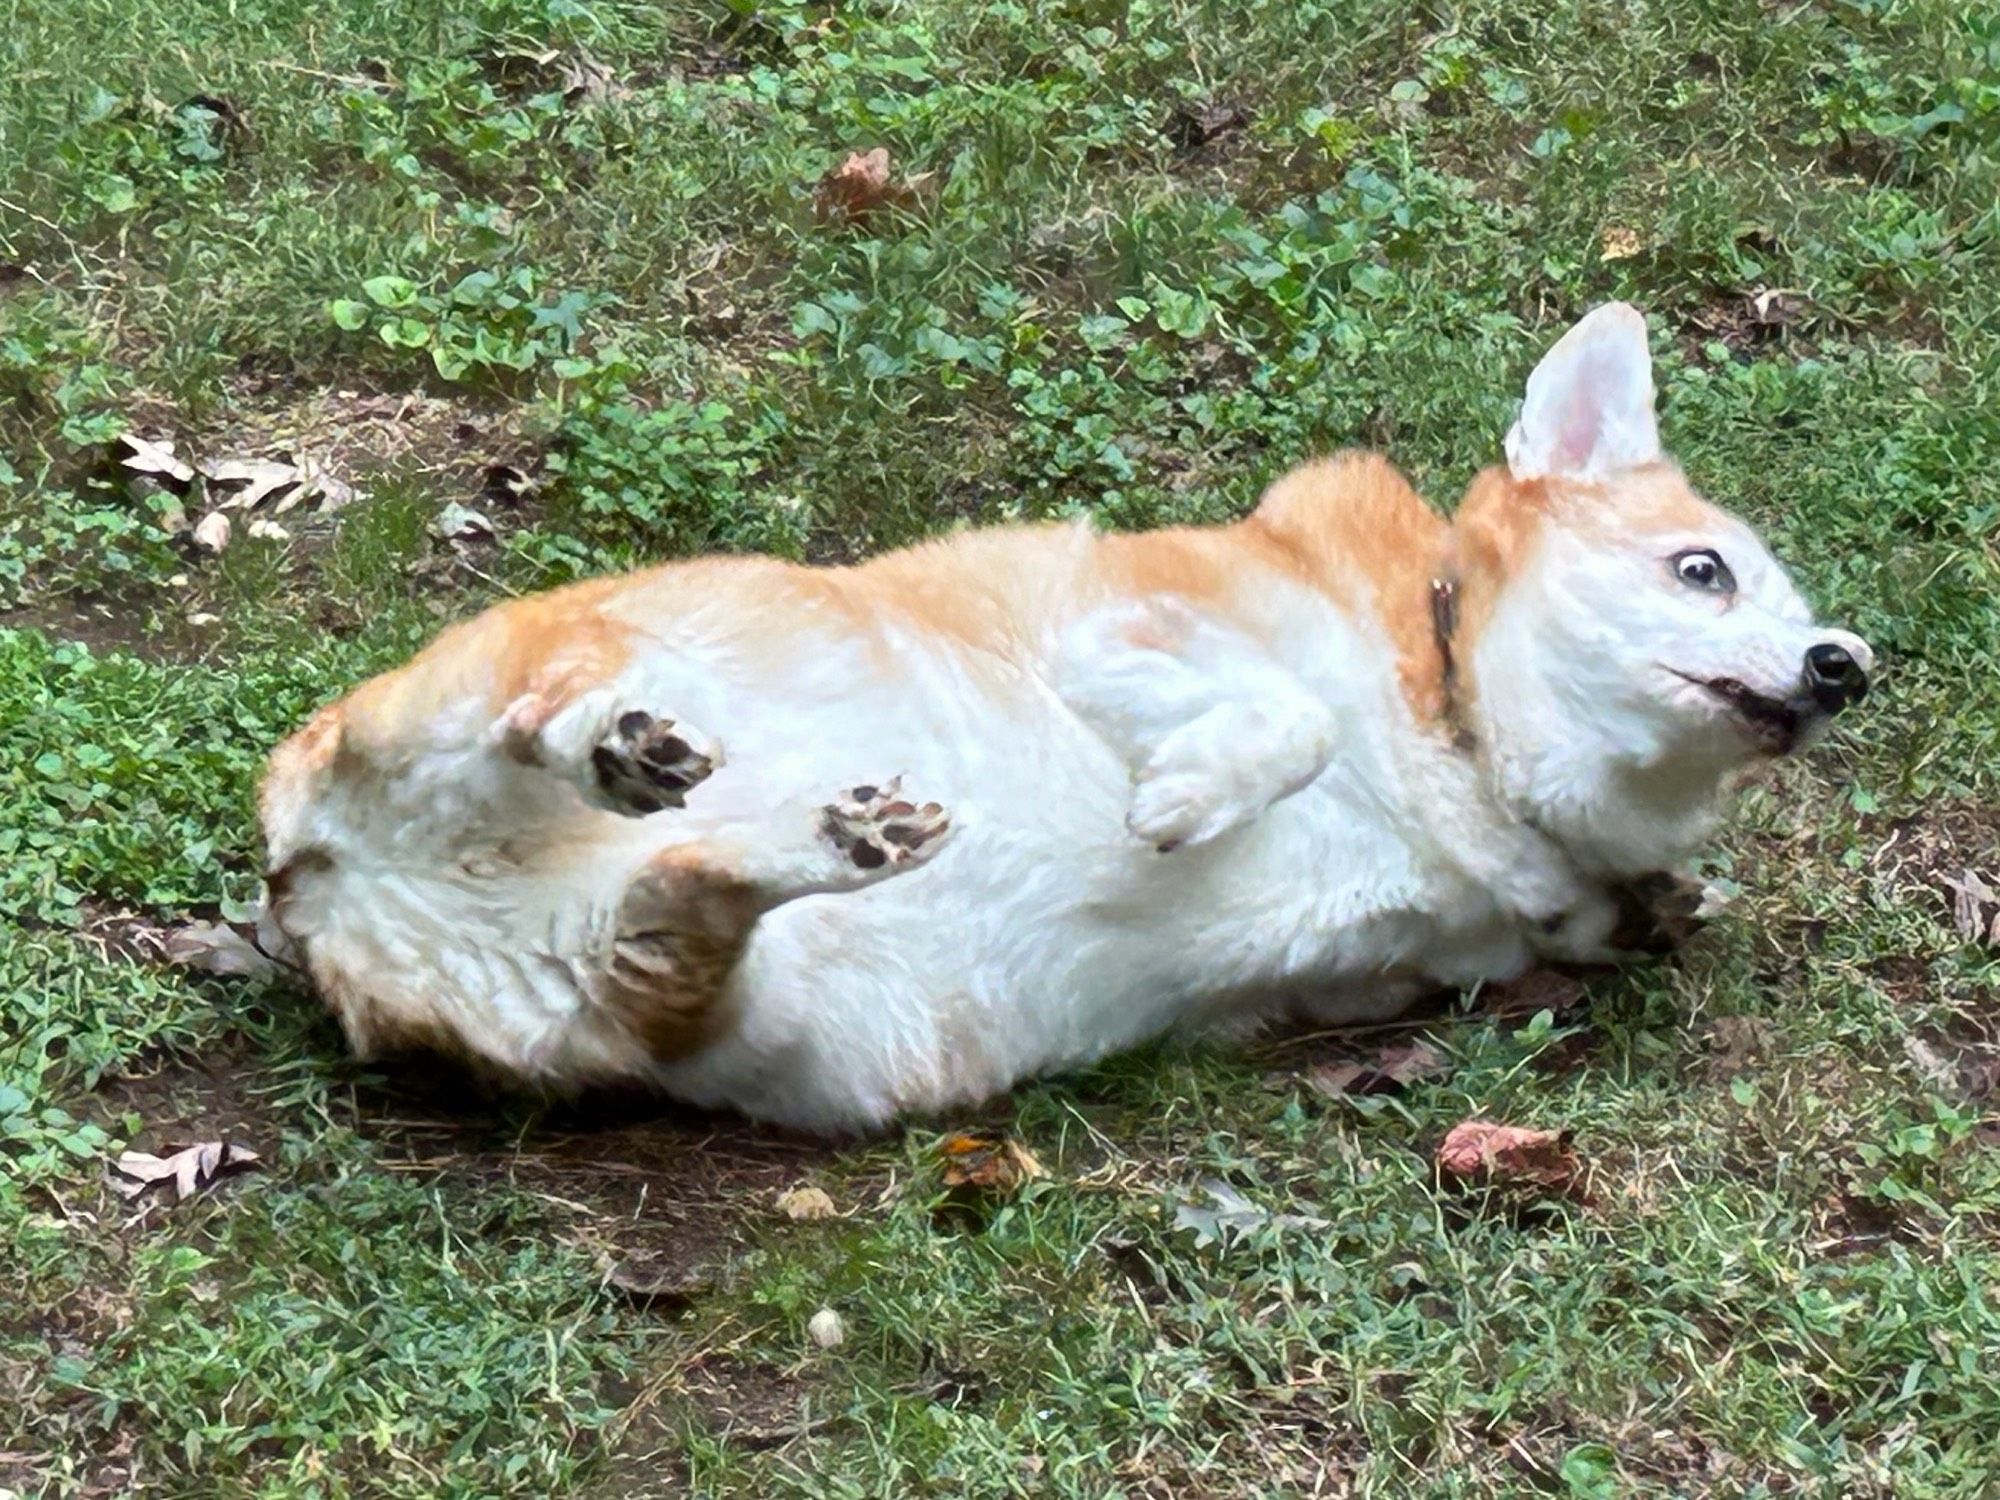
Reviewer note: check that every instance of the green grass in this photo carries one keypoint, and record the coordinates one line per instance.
(255, 223)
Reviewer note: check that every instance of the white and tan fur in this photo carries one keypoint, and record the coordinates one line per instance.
(1192, 776)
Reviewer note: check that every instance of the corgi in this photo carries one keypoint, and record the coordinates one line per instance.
(832, 845)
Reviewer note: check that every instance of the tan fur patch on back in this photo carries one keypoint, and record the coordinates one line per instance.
(1493, 535)
(1354, 525)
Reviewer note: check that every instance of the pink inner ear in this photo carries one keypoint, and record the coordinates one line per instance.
(1576, 439)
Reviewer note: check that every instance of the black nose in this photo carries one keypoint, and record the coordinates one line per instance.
(1834, 678)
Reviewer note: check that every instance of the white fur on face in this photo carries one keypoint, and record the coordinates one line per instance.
(1635, 644)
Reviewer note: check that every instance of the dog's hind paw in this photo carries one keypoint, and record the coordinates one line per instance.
(646, 763)
(876, 828)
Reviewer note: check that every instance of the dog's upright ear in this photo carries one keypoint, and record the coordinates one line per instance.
(1589, 410)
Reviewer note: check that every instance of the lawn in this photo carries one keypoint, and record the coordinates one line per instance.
(542, 288)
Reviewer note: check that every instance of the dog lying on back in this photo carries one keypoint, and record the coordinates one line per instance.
(828, 845)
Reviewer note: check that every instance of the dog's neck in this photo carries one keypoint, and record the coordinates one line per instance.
(1613, 798)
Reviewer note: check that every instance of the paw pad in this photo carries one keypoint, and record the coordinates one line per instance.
(874, 826)
(646, 766)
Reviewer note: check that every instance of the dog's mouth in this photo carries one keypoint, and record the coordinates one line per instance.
(1775, 724)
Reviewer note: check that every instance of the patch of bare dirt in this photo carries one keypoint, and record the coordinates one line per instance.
(141, 624)
(356, 434)
(1737, 1045)
(1926, 859)
(224, 1094)
(117, 932)
(1744, 321)
(1845, 1225)
(638, 1182)
(666, 1193)
(746, 1402)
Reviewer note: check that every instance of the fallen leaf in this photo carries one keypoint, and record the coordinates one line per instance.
(806, 1203)
(1227, 1212)
(216, 948)
(191, 1169)
(461, 523)
(1194, 124)
(144, 456)
(862, 183)
(1393, 1067)
(1975, 908)
(1535, 991)
(992, 1163)
(1488, 1152)
(1619, 243)
(316, 477)
(211, 532)
(827, 1329)
(647, 1285)
(585, 80)
(259, 478)
(1932, 1066)
(1774, 306)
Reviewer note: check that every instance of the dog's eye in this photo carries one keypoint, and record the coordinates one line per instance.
(1702, 569)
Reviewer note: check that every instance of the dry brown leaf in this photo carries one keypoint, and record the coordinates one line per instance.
(258, 478)
(648, 1285)
(1775, 306)
(587, 81)
(806, 1202)
(1620, 243)
(144, 456)
(319, 479)
(1535, 991)
(1393, 1067)
(1736, 1044)
(1975, 908)
(994, 1163)
(862, 183)
(191, 1169)
(216, 948)
(1485, 1151)
(1932, 1066)
(1222, 1213)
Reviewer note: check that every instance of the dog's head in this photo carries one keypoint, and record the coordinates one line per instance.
(1631, 644)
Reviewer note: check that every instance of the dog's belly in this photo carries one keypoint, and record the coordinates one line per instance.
(1039, 943)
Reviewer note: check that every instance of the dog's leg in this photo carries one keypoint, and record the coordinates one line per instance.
(1214, 728)
(626, 759)
(684, 918)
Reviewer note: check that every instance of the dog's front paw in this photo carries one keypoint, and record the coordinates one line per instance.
(621, 758)
(1176, 809)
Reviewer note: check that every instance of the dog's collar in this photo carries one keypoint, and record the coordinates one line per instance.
(1444, 626)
